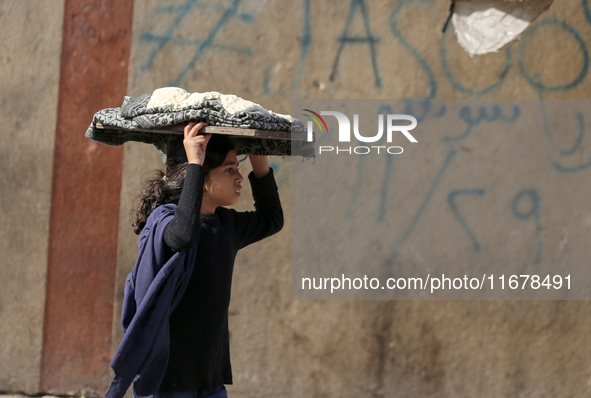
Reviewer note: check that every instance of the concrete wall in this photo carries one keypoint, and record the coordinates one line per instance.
(29, 77)
(271, 52)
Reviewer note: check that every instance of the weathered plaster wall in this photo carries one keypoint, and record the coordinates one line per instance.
(29, 71)
(271, 52)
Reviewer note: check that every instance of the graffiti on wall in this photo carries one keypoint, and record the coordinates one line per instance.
(230, 17)
(526, 204)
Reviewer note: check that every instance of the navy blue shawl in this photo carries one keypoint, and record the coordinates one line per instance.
(152, 290)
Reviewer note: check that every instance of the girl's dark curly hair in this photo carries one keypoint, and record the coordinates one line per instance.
(160, 188)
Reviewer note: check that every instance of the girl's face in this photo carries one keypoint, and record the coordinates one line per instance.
(223, 184)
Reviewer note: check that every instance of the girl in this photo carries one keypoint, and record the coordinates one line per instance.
(183, 275)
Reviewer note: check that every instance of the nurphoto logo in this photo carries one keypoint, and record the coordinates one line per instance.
(392, 126)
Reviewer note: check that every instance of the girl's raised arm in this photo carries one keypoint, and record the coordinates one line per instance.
(260, 165)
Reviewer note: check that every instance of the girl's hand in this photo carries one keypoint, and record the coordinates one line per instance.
(195, 143)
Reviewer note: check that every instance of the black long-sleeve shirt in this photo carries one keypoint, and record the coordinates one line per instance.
(199, 338)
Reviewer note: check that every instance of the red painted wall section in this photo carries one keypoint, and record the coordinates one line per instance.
(85, 200)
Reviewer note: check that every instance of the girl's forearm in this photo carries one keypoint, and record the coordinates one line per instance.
(260, 165)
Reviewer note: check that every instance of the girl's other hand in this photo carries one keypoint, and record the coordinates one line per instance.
(260, 165)
(195, 143)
